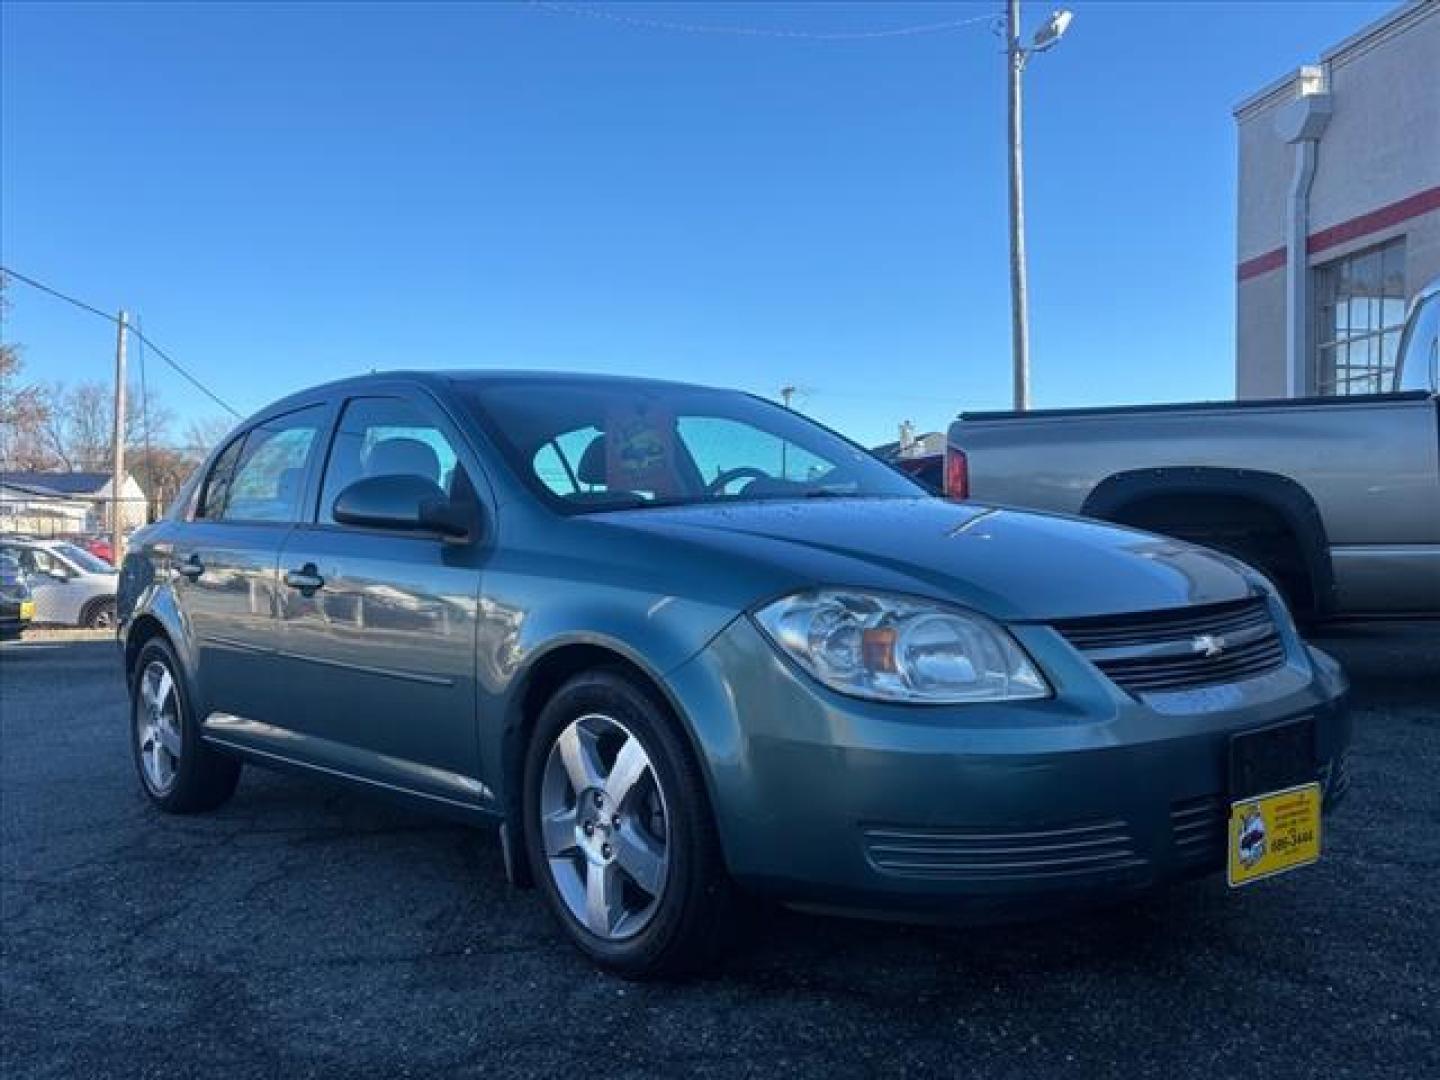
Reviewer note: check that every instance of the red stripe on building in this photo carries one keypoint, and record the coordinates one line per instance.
(1387, 216)
(1262, 264)
(1376, 220)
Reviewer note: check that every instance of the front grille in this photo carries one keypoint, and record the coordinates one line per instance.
(1197, 828)
(1180, 649)
(1002, 854)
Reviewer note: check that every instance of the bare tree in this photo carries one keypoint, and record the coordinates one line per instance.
(22, 405)
(78, 429)
(204, 434)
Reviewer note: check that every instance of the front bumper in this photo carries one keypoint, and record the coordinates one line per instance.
(15, 616)
(980, 812)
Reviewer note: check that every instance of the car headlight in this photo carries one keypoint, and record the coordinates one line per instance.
(896, 648)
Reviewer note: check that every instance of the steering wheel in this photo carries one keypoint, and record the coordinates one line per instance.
(716, 486)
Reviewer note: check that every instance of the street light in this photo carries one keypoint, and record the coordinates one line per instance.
(1046, 38)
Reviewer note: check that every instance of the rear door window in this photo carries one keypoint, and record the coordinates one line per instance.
(269, 475)
(217, 483)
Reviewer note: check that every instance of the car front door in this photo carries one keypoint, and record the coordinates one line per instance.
(378, 627)
(224, 563)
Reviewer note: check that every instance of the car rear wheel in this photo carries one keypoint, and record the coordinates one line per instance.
(178, 772)
(618, 830)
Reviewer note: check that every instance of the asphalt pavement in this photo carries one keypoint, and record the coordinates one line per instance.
(304, 930)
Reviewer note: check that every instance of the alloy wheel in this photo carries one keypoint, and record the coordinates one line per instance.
(604, 827)
(157, 727)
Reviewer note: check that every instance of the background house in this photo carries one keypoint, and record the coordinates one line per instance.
(53, 503)
(1339, 210)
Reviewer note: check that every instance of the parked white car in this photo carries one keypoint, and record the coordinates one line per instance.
(69, 585)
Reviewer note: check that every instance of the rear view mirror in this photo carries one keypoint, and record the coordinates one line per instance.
(405, 503)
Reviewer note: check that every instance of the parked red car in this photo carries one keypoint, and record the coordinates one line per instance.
(98, 546)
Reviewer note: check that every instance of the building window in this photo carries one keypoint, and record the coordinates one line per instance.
(1360, 307)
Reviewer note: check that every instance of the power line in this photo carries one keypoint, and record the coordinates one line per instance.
(57, 293)
(93, 310)
(556, 8)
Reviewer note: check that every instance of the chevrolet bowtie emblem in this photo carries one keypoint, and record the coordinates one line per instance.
(1207, 644)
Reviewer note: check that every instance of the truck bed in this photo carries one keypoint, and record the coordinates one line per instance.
(1197, 406)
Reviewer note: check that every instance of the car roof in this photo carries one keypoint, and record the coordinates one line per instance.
(457, 378)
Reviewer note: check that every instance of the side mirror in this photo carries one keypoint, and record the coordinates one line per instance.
(406, 503)
(59, 573)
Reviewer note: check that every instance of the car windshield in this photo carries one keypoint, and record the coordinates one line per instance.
(83, 559)
(597, 444)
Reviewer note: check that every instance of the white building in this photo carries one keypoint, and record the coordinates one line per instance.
(41, 511)
(53, 503)
(1339, 210)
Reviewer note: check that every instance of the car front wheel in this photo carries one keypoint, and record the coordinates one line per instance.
(178, 772)
(618, 830)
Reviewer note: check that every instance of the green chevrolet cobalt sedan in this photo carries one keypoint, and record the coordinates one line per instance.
(681, 644)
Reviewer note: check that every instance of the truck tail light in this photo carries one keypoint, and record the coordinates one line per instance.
(957, 473)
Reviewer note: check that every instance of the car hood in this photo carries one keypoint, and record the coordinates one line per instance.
(1011, 564)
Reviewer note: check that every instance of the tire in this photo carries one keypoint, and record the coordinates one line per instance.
(100, 614)
(196, 779)
(677, 928)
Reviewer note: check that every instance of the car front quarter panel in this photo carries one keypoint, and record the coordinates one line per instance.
(534, 605)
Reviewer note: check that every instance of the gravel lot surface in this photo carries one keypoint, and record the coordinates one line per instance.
(305, 931)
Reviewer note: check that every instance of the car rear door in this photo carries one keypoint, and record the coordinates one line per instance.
(224, 563)
(379, 627)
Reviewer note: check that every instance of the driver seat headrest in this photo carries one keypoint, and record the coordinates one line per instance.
(403, 457)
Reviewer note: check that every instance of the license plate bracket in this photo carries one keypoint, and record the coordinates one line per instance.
(1273, 758)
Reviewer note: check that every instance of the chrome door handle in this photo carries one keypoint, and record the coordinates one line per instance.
(191, 568)
(307, 579)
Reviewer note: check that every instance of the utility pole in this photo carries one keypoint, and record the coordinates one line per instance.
(1016, 57)
(117, 474)
(1019, 296)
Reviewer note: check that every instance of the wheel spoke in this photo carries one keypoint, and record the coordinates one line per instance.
(168, 737)
(641, 857)
(630, 765)
(582, 763)
(559, 832)
(602, 898)
(147, 689)
(164, 687)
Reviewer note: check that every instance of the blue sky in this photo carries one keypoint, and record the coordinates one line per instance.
(291, 194)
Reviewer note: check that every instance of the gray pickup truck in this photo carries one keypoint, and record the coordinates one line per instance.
(1336, 498)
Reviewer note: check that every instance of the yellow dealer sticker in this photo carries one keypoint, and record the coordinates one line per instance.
(27, 610)
(1270, 834)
